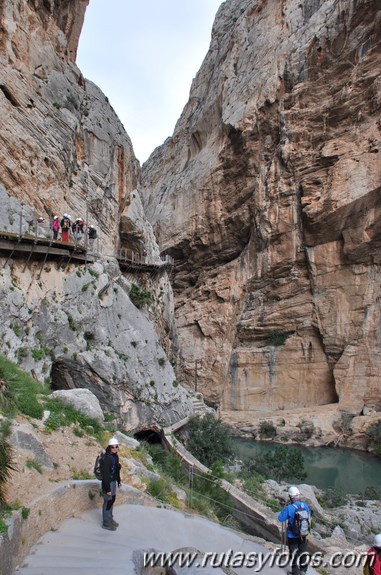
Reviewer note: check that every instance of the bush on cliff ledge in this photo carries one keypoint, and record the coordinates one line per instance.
(209, 440)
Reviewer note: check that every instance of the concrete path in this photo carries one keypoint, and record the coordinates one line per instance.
(81, 547)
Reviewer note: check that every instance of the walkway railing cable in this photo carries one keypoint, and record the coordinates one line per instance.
(133, 261)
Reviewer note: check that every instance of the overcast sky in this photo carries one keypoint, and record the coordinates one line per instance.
(144, 54)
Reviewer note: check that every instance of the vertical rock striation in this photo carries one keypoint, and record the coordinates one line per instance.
(63, 149)
(268, 196)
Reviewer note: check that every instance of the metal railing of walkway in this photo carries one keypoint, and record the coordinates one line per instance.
(40, 245)
(134, 261)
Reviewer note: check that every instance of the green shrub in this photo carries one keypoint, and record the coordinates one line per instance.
(25, 512)
(3, 526)
(267, 429)
(372, 492)
(206, 486)
(332, 498)
(252, 482)
(93, 273)
(277, 338)
(374, 432)
(38, 353)
(140, 296)
(209, 440)
(168, 463)
(281, 464)
(16, 329)
(307, 429)
(72, 323)
(162, 490)
(22, 353)
(88, 337)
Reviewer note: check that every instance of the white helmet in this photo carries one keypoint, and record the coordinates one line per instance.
(113, 441)
(293, 491)
(377, 540)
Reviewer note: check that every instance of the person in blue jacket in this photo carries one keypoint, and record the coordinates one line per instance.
(298, 517)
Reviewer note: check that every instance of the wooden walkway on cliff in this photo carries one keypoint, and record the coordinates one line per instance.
(33, 246)
(131, 261)
(41, 247)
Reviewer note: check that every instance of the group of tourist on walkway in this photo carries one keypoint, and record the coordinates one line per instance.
(68, 230)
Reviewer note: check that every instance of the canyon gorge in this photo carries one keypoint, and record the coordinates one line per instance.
(267, 196)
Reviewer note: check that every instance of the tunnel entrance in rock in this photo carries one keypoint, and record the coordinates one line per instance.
(69, 374)
(149, 436)
(65, 375)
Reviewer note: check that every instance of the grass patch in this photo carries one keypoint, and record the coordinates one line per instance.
(20, 391)
(81, 475)
(161, 489)
(33, 464)
(6, 457)
(63, 415)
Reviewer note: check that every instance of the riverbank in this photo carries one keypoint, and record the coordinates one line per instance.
(324, 425)
(347, 470)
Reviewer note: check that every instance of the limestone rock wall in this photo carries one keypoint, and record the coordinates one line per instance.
(268, 196)
(63, 149)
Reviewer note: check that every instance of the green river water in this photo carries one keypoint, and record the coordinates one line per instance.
(346, 469)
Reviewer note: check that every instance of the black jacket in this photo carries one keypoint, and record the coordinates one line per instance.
(107, 465)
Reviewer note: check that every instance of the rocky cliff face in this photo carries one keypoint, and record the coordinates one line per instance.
(63, 149)
(268, 196)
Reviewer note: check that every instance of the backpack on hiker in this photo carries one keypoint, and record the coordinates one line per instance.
(301, 525)
(97, 466)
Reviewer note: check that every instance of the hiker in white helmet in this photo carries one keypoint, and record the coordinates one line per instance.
(110, 469)
(373, 560)
(298, 517)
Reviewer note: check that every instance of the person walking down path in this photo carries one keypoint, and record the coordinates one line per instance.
(373, 560)
(65, 228)
(298, 517)
(110, 469)
(92, 233)
(78, 229)
(55, 227)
